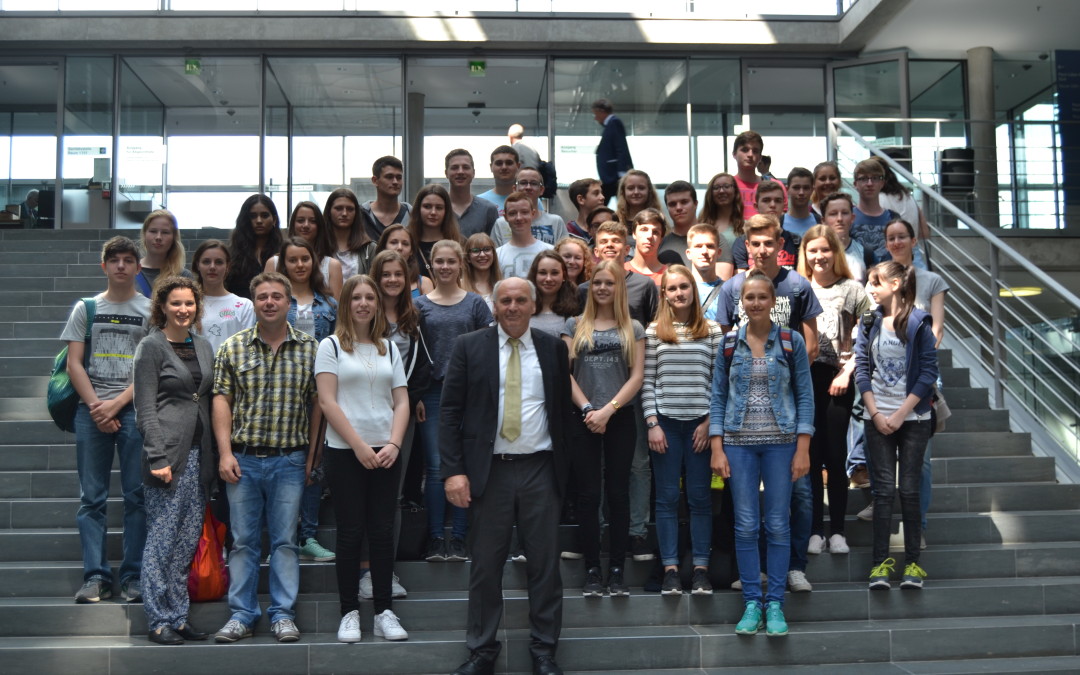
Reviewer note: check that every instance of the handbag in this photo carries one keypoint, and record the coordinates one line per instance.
(60, 396)
(209, 576)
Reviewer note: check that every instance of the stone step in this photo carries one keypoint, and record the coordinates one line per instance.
(978, 420)
(42, 346)
(994, 497)
(23, 386)
(955, 470)
(320, 612)
(954, 377)
(24, 271)
(58, 282)
(32, 299)
(32, 246)
(31, 329)
(640, 649)
(25, 408)
(949, 444)
(960, 398)
(99, 236)
(32, 432)
(24, 313)
(948, 529)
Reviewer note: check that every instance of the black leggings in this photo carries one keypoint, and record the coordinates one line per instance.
(614, 450)
(365, 502)
(828, 448)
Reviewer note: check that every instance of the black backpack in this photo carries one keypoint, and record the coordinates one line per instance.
(551, 180)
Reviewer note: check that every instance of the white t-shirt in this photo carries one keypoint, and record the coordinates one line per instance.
(365, 387)
(547, 227)
(515, 261)
(225, 316)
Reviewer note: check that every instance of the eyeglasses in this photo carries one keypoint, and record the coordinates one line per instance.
(529, 184)
(870, 179)
(724, 187)
(477, 251)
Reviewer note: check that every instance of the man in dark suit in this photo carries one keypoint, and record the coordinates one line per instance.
(613, 154)
(505, 411)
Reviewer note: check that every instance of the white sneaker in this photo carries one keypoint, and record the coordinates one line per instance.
(797, 582)
(397, 591)
(349, 628)
(366, 593)
(867, 514)
(817, 544)
(388, 626)
(838, 544)
(572, 555)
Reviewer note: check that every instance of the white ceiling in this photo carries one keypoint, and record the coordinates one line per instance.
(1016, 29)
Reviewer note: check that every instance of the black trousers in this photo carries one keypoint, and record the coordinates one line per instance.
(521, 492)
(606, 458)
(828, 449)
(365, 502)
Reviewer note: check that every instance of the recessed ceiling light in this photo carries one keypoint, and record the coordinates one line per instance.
(477, 92)
(510, 81)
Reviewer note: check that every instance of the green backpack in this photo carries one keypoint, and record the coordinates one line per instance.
(61, 397)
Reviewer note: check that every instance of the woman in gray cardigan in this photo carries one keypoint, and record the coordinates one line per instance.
(173, 376)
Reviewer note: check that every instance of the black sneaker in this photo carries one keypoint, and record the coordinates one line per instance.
(455, 551)
(640, 549)
(701, 584)
(594, 586)
(95, 589)
(672, 584)
(615, 584)
(436, 550)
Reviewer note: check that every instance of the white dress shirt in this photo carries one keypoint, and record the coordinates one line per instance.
(534, 422)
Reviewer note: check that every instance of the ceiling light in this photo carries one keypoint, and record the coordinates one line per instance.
(1020, 292)
(510, 81)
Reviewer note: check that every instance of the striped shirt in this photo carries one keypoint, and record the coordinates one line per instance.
(678, 376)
(271, 392)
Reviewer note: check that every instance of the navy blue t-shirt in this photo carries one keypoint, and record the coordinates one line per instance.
(870, 232)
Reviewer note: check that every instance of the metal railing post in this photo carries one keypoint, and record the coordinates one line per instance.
(995, 327)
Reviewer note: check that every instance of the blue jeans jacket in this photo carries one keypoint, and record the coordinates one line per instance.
(324, 310)
(793, 402)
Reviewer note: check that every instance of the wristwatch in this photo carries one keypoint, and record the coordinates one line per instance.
(652, 425)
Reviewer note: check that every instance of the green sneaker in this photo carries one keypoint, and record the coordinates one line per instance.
(879, 575)
(913, 576)
(313, 550)
(751, 621)
(775, 624)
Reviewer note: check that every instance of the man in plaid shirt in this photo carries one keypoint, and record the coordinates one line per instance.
(263, 384)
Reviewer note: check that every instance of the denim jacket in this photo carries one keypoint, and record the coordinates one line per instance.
(921, 354)
(324, 310)
(793, 405)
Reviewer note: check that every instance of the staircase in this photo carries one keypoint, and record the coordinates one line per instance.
(1003, 595)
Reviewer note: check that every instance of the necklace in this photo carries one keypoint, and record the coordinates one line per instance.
(367, 352)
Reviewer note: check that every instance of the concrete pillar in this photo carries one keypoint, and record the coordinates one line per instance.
(980, 82)
(414, 144)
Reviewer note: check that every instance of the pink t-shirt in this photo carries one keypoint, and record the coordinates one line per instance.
(748, 192)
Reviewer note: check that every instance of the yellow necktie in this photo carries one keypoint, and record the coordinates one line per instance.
(511, 427)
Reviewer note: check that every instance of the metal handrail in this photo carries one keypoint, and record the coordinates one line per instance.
(1009, 346)
(995, 242)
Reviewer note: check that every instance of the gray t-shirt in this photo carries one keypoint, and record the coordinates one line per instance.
(117, 330)
(479, 217)
(444, 323)
(927, 285)
(889, 379)
(674, 246)
(548, 227)
(549, 322)
(515, 261)
(602, 371)
(841, 306)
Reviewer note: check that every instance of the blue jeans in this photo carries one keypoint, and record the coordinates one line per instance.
(640, 481)
(94, 454)
(752, 465)
(309, 512)
(667, 470)
(270, 488)
(434, 494)
(802, 518)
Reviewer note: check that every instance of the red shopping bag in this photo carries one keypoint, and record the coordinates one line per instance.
(209, 577)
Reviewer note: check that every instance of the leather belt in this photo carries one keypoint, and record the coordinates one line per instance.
(518, 457)
(263, 451)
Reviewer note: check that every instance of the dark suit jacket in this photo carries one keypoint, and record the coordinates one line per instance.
(613, 154)
(468, 421)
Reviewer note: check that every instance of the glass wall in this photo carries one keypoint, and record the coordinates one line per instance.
(87, 144)
(715, 115)
(787, 107)
(28, 96)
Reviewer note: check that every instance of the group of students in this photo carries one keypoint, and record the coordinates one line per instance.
(731, 345)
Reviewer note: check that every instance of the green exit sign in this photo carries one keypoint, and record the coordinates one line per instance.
(192, 66)
(477, 68)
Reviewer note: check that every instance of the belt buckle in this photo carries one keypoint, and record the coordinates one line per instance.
(261, 452)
